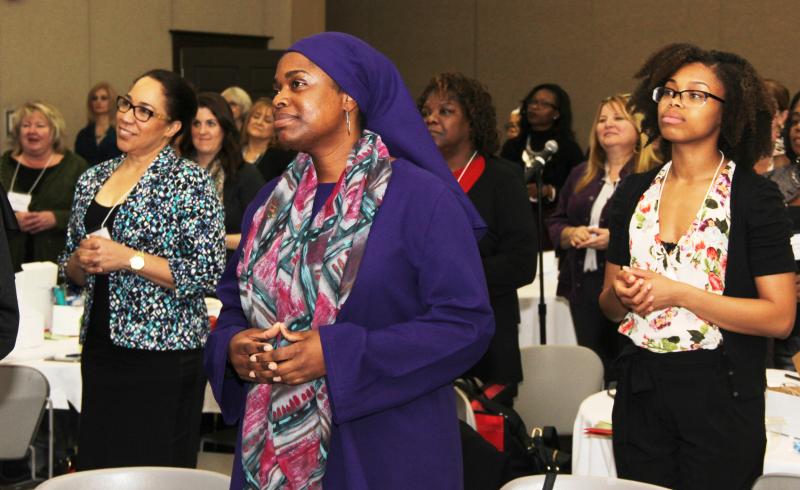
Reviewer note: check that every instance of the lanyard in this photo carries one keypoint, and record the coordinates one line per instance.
(14, 178)
(121, 198)
(466, 167)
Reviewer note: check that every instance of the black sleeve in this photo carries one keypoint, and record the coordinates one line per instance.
(511, 151)
(619, 218)
(248, 182)
(769, 231)
(513, 263)
(9, 314)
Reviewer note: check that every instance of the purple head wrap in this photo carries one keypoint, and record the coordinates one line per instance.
(373, 81)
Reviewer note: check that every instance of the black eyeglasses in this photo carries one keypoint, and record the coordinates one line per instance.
(689, 98)
(141, 113)
(541, 103)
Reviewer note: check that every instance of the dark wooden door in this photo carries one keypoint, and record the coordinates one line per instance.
(216, 68)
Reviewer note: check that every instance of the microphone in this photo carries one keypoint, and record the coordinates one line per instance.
(540, 160)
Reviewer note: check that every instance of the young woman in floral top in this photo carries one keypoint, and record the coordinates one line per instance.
(699, 271)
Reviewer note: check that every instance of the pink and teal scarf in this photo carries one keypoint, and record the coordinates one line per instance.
(299, 271)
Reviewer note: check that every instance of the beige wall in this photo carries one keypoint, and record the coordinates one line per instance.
(590, 47)
(56, 49)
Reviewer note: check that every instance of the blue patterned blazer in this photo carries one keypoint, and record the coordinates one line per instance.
(174, 213)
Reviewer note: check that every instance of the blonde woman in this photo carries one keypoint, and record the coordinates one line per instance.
(579, 225)
(260, 143)
(97, 141)
(240, 103)
(39, 175)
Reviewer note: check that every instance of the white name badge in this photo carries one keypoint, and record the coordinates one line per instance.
(102, 233)
(796, 246)
(19, 201)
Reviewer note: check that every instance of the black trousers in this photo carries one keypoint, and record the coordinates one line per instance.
(592, 328)
(677, 424)
(139, 408)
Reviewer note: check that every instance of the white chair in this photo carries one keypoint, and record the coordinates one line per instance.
(24, 394)
(557, 378)
(139, 478)
(464, 409)
(572, 482)
(777, 481)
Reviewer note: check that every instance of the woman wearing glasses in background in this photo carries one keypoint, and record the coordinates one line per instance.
(545, 114)
(699, 272)
(97, 141)
(146, 242)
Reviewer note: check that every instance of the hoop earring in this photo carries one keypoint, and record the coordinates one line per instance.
(347, 121)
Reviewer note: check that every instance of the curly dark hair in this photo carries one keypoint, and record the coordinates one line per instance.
(477, 104)
(745, 135)
(790, 154)
(563, 125)
(230, 155)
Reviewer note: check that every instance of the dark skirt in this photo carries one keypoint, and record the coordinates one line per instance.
(139, 408)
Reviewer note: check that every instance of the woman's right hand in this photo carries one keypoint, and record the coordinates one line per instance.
(579, 235)
(631, 291)
(244, 346)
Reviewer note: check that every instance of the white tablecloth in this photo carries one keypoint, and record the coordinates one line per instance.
(594, 455)
(65, 377)
(558, 323)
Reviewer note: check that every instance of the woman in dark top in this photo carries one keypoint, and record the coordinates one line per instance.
(260, 145)
(214, 145)
(9, 312)
(461, 119)
(545, 114)
(699, 271)
(579, 224)
(97, 142)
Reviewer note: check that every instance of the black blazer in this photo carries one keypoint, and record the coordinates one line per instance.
(9, 314)
(758, 245)
(87, 147)
(508, 253)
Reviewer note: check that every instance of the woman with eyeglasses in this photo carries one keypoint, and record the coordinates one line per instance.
(545, 114)
(579, 224)
(699, 271)
(39, 176)
(214, 145)
(146, 244)
(97, 141)
(240, 103)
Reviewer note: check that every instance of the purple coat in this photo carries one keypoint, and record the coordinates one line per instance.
(417, 317)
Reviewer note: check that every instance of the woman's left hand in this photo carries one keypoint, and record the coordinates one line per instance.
(300, 362)
(599, 239)
(664, 292)
(104, 255)
(36, 221)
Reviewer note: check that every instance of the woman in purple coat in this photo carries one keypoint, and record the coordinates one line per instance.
(357, 293)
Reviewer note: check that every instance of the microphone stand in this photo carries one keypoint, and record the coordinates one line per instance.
(538, 170)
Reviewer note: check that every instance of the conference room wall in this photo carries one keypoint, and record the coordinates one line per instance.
(590, 47)
(56, 50)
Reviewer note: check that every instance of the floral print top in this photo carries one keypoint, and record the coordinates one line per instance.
(699, 259)
(173, 212)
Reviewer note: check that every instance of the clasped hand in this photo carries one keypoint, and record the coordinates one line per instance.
(98, 255)
(589, 237)
(255, 360)
(643, 292)
(35, 221)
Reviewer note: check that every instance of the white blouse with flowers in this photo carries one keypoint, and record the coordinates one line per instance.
(699, 259)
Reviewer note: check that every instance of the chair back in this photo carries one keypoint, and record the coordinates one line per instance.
(557, 378)
(777, 481)
(464, 408)
(139, 478)
(23, 395)
(575, 482)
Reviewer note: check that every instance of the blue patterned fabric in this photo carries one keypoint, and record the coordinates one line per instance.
(174, 213)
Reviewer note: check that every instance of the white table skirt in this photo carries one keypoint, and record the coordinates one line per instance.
(594, 455)
(65, 377)
(558, 323)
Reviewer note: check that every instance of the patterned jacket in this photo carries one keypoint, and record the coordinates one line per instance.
(174, 213)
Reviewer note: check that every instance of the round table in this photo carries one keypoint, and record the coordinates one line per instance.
(593, 455)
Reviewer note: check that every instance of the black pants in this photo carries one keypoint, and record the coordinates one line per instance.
(676, 423)
(139, 408)
(592, 328)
